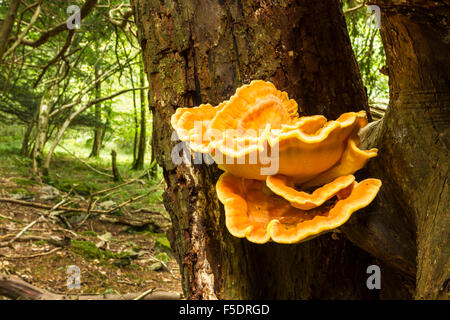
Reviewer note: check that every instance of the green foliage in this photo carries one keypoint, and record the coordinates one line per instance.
(19, 102)
(10, 160)
(99, 44)
(369, 52)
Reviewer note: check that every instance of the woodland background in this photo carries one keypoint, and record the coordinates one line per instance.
(84, 140)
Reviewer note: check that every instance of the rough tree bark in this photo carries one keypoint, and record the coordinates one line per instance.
(414, 134)
(201, 51)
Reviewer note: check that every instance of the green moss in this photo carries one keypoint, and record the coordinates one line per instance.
(139, 230)
(162, 240)
(19, 190)
(89, 233)
(25, 182)
(163, 256)
(82, 188)
(134, 267)
(136, 248)
(89, 250)
(109, 291)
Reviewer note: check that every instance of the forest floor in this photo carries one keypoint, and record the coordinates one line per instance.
(117, 250)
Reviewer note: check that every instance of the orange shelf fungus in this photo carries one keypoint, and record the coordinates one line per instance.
(351, 161)
(271, 156)
(253, 212)
(258, 132)
(189, 123)
(284, 187)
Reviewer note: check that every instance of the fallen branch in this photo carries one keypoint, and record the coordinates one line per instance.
(91, 205)
(85, 163)
(123, 204)
(165, 267)
(143, 295)
(126, 182)
(93, 202)
(25, 229)
(8, 218)
(33, 255)
(56, 241)
(15, 288)
(134, 222)
(42, 216)
(89, 210)
(44, 206)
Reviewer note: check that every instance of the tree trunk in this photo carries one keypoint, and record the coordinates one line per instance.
(116, 174)
(201, 52)
(41, 163)
(98, 130)
(154, 169)
(7, 26)
(139, 163)
(42, 121)
(414, 134)
(136, 120)
(25, 149)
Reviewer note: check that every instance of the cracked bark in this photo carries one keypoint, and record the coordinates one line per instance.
(198, 51)
(414, 135)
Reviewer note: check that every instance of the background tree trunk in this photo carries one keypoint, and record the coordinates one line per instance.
(42, 123)
(98, 130)
(154, 169)
(25, 149)
(414, 134)
(139, 163)
(197, 52)
(7, 26)
(116, 174)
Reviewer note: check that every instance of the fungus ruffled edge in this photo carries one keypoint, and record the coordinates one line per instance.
(284, 187)
(240, 222)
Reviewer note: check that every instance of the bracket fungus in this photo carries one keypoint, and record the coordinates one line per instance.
(253, 212)
(272, 156)
(284, 187)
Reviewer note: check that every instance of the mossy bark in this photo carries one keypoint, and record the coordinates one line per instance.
(414, 135)
(201, 51)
